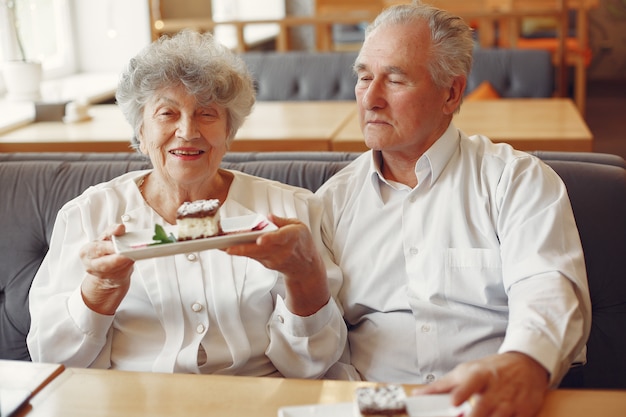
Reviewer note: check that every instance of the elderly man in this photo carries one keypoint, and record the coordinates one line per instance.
(462, 263)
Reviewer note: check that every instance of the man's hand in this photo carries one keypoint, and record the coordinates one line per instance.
(504, 385)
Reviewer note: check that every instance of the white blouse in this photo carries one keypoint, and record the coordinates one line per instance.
(201, 312)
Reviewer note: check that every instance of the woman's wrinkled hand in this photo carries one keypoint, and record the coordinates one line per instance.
(108, 274)
(291, 250)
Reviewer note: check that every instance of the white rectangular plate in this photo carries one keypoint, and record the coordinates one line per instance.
(417, 406)
(243, 229)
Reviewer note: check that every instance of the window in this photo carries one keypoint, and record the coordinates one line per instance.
(243, 10)
(44, 30)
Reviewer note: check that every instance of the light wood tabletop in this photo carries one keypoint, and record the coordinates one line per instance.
(80, 392)
(272, 126)
(527, 124)
(292, 126)
(105, 131)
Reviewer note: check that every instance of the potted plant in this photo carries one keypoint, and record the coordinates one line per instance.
(22, 76)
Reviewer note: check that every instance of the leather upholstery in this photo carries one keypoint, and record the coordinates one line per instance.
(513, 73)
(299, 75)
(35, 186)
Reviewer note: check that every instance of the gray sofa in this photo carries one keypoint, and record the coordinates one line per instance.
(35, 186)
(290, 76)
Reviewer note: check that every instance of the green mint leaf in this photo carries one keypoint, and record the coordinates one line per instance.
(160, 236)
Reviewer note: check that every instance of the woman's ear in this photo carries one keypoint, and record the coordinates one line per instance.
(140, 142)
(455, 94)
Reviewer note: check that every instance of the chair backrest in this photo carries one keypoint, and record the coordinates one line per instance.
(174, 9)
(463, 8)
(302, 75)
(555, 9)
(338, 7)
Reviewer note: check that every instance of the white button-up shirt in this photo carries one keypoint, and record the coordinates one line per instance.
(200, 312)
(482, 256)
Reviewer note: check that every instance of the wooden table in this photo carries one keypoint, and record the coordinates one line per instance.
(107, 131)
(81, 392)
(272, 126)
(20, 381)
(552, 124)
(293, 126)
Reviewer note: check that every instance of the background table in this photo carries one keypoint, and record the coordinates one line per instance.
(81, 392)
(272, 126)
(107, 131)
(293, 126)
(527, 124)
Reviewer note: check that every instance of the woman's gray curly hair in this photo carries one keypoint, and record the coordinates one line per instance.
(208, 70)
(452, 42)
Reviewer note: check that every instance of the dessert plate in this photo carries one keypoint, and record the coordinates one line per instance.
(243, 229)
(417, 406)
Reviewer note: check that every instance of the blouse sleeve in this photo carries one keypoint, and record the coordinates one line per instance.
(63, 329)
(306, 347)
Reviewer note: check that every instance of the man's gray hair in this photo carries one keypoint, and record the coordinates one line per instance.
(451, 37)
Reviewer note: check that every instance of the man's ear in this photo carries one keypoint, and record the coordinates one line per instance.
(455, 94)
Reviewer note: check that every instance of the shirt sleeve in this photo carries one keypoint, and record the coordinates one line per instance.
(306, 347)
(543, 268)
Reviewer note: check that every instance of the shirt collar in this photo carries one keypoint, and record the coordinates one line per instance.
(431, 164)
(441, 151)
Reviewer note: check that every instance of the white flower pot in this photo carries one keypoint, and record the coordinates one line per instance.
(22, 80)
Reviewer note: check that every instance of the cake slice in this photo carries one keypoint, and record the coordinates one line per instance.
(198, 219)
(381, 400)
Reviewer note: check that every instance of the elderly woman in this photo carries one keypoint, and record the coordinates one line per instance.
(260, 309)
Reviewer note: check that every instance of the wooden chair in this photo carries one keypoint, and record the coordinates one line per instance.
(567, 50)
(366, 10)
(554, 9)
(481, 15)
(196, 15)
(171, 16)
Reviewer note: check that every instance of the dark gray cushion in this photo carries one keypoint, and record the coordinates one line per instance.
(35, 186)
(300, 75)
(513, 72)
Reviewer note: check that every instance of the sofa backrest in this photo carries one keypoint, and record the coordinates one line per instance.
(302, 75)
(35, 186)
(514, 73)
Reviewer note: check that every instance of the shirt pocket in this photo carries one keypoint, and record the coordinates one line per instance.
(473, 278)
